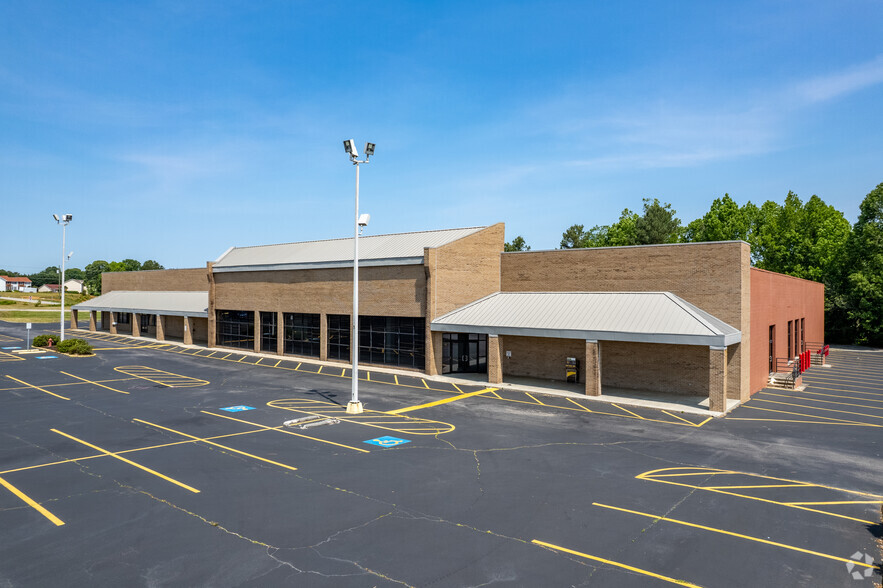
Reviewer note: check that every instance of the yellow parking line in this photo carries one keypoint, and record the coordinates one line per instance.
(632, 413)
(457, 388)
(798, 485)
(835, 502)
(814, 387)
(258, 362)
(732, 534)
(320, 369)
(96, 383)
(369, 376)
(38, 388)
(532, 397)
(574, 402)
(241, 358)
(677, 417)
(128, 461)
(828, 401)
(297, 367)
(276, 463)
(342, 372)
(32, 503)
(870, 416)
(277, 363)
(442, 401)
(615, 563)
(804, 422)
(814, 416)
(281, 429)
(396, 378)
(211, 354)
(424, 383)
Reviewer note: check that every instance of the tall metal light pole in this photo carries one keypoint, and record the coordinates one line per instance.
(63, 220)
(355, 406)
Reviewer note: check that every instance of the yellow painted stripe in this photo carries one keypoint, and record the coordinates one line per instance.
(128, 461)
(425, 385)
(32, 503)
(368, 374)
(632, 413)
(679, 418)
(96, 383)
(812, 416)
(204, 440)
(38, 388)
(342, 372)
(835, 502)
(838, 403)
(396, 378)
(805, 422)
(277, 363)
(297, 367)
(758, 486)
(457, 388)
(615, 563)
(281, 429)
(442, 401)
(258, 362)
(870, 416)
(320, 369)
(570, 399)
(732, 534)
(532, 397)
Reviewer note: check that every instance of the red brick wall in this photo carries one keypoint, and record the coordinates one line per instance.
(775, 300)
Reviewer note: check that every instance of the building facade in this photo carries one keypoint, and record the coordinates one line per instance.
(693, 319)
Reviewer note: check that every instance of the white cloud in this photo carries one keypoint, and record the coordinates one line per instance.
(848, 81)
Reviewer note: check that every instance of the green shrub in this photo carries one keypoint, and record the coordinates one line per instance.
(41, 341)
(75, 347)
(5, 302)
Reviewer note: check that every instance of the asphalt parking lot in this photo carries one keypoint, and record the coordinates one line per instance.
(160, 465)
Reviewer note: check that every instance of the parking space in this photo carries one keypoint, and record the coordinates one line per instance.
(164, 464)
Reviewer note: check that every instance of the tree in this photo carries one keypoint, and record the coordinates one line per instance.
(724, 221)
(864, 274)
(658, 224)
(131, 265)
(153, 265)
(93, 273)
(573, 238)
(74, 273)
(50, 275)
(517, 244)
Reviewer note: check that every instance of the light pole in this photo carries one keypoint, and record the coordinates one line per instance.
(63, 220)
(354, 406)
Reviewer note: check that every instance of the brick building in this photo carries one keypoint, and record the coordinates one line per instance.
(693, 319)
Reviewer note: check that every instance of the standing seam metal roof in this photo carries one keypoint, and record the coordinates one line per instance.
(194, 304)
(395, 249)
(651, 317)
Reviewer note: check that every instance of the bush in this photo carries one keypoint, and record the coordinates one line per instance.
(4, 302)
(41, 341)
(74, 347)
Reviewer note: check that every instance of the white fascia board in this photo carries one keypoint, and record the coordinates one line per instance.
(664, 338)
(320, 265)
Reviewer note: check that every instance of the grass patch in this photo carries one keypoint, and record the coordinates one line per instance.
(24, 316)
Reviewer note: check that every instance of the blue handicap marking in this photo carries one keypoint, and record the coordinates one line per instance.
(12, 348)
(48, 357)
(387, 441)
(238, 408)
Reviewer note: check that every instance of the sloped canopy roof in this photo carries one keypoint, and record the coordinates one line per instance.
(193, 304)
(648, 317)
(377, 250)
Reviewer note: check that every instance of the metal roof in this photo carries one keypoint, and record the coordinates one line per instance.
(648, 317)
(376, 250)
(168, 303)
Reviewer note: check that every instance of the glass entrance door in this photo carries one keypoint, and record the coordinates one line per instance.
(464, 353)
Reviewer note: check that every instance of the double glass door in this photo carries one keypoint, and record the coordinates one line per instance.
(464, 353)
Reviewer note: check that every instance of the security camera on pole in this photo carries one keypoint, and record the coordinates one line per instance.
(63, 220)
(354, 406)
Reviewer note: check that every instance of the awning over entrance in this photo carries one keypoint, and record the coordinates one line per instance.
(191, 304)
(645, 317)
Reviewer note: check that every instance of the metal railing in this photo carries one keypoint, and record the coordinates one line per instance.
(787, 371)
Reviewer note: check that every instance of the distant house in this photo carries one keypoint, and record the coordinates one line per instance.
(49, 288)
(8, 284)
(74, 285)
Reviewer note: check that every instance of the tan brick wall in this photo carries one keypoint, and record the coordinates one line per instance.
(458, 273)
(540, 357)
(383, 291)
(171, 280)
(592, 368)
(495, 360)
(713, 276)
(673, 369)
(717, 383)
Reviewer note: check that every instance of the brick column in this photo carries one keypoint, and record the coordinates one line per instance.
(160, 327)
(323, 336)
(74, 316)
(593, 368)
(257, 331)
(136, 324)
(113, 322)
(434, 354)
(494, 360)
(212, 334)
(717, 379)
(280, 336)
(188, 331)
(93, 320)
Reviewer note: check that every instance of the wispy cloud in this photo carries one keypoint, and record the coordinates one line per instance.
(848, 81)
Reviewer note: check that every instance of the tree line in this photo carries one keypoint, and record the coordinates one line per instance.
(91, 276)
(810, 240)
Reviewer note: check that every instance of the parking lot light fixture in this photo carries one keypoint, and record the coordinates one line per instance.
(355, 406)
(63, 221)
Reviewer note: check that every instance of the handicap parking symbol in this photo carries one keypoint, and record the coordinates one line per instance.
(387, 441)
(238, 408)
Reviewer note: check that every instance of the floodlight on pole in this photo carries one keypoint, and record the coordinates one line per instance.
(63, 221)
(355, 406)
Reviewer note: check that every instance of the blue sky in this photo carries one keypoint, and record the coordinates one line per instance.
(174, 130)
